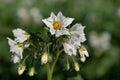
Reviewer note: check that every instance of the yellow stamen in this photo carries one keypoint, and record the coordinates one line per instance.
(20, 45)
(57, 25)
(82, 48)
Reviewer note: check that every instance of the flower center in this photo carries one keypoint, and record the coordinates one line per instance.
(82, 48)
(21, 67)
(56, 25)
(20, 45)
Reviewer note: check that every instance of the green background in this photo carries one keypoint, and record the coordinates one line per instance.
(96, 15)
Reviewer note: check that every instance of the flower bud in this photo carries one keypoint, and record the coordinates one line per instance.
(68, 66)
(32, 71)
(44, 58)
(21, 69)
(76, 66)
(83, 53)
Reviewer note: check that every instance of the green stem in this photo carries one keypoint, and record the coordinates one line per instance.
(51, 69)
(49, 75)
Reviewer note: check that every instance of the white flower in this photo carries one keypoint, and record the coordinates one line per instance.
(83, 53)
(20, 35)
(77, 35)
(58, 24)
(69, 49)
(23, 15)
(17, 49)
(75, 39)
(101, 41)
(21, 69)
(36, 15)
(44, 58)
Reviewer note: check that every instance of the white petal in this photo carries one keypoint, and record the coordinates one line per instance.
(53, 16)
(11, 42)
(62, 32)
(74, 42)
(58, 33)
(77, 29)
(65, 32)
(18, 32)
(20, 53)
(15, 59)
(77, 32)
(82, 38)
(77, 26)
(27, 45)
(20, 39)
(52, 31)
(13, 45)
(86, 53)
(48, 22)
(67, 21)
(14, 48)
(20, 35)
(60, 17)
(69, 49)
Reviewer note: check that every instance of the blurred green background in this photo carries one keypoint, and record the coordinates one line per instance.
(96, 15)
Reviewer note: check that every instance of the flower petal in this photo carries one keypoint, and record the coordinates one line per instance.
(11, 42)
(15, 59)
(62, 32)
(48, 22)
(77, 31)
(52, 31)
(86, 53)
(67, 21)
(53, 16)
(69, 49)
(20, 35)
(18, 32)
(60, 17)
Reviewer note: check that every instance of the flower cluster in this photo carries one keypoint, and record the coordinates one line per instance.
(18, 44)
(76, 36)
(17, 47)
(60, 39)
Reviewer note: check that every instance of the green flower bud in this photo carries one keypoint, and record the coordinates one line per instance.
(31, 71)
(68, 66)
(76, 66)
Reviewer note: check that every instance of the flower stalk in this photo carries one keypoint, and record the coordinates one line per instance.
(50, 69)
